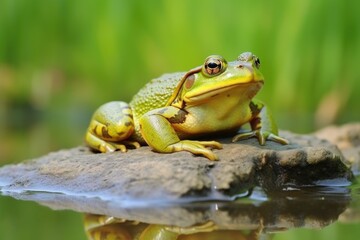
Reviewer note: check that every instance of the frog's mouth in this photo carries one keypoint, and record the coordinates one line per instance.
(248, 89)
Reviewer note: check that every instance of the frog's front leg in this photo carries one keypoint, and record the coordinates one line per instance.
(158, 132)
(263, 126)
(110, 126)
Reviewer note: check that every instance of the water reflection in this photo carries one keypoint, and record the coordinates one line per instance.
(246, 218)
(103, 227)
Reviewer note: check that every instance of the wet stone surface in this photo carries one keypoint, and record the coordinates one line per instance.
(142, 174)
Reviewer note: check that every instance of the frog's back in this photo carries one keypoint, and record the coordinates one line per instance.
(154, 94)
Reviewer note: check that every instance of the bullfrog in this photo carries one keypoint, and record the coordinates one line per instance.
(171, 113)
(107, 228)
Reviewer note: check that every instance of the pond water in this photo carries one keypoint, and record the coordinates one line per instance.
(306, 213)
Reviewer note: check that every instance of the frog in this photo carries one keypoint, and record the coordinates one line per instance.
(108, 227)
(182, 111)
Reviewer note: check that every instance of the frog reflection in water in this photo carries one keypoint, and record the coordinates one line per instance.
(100, 227)
(214, 98)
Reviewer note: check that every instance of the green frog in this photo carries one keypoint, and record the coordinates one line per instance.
(170, 112)
(108, 228)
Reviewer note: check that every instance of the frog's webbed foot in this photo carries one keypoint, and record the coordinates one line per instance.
(197, 148)
(206, 227)
(262, 136)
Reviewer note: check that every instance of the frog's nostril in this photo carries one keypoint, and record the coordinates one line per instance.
(241, 66)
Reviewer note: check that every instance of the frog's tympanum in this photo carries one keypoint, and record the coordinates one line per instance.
(171, 111)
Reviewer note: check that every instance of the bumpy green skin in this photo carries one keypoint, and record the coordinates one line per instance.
(153, 95)
(169, 111)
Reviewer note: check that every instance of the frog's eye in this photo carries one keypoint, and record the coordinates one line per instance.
(257, 62)
(214, 65)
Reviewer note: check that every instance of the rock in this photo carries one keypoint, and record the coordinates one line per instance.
(347, 138)
(143, 175)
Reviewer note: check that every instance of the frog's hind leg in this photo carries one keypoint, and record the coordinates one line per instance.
(110, 127)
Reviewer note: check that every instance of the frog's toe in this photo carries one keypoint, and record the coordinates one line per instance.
(204, 152)
(106, 147)
(262, 137)
(111, 147)
(121, 147)
(210, 144)
(198, 148)
(132, 144)
(278, 139)
(243, 136)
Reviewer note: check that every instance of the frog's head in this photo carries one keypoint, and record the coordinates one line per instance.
(217, 76)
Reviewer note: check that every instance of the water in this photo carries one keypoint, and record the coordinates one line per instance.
(306, 213)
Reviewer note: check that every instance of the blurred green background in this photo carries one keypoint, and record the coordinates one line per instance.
(60, 59)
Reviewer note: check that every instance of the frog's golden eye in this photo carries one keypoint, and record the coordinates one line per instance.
(214, 65)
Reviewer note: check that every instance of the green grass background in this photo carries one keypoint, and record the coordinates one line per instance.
(60, 59)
